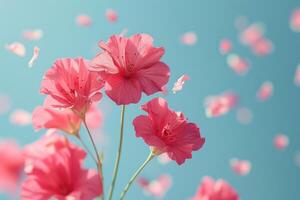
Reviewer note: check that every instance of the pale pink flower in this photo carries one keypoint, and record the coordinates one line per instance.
(69, 84)
(164, 159)
(281, 141)
(240, 167)
(216, 106)
(225, 46)
(11, 165)
(20, 117)
(295, 20)
(111, 15)
(215, 190)
(189, 38)
(130, 66)
(62, 119)
(36, 52)
(156, 188)
(178, 85)
(252, 34)
(167, 131)
(34, 34)
(5, 103)
(265, 91)
(244, 115)
(262, 47)
(16, 48)
(60, 175)
(297, 76)
(238, 64)
(83, 20)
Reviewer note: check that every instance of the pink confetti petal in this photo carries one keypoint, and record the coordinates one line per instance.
(225, 46)
(240, 167)
(295, 20)
(178, 85)
(252, 34)
(111, 15)
(83, 20)
(281, 141)
(238, 64)
(244, 116)
(189, 38)
(36, 52)
(16, 48)
(265, 91)
(35, 34)
(20, 117)
(297, 76)
(262, 47)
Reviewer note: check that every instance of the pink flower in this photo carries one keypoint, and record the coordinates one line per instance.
(156, 188)
(11, 165)
(62, 119)
(252, 34)
(130, 66)
(265, 91)
(168, 131)
(281, 141)
(240, 167)
(215, 190)
(111, 15)
(178, 85)
(60, 175)
(69, 84)
(225, 46)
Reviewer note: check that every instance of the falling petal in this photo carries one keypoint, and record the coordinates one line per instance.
(189, 38)
(83, 20)
(265, 91)
(35, 34)
(240, 167)
(244, 115)
(111, 15)
(252, 34)
(225, 46)
(178, 85)
(281, 141)
(295, 20)
(16, 48)
(36, 52)
(238, 64)
(20, 117)
(262, 47)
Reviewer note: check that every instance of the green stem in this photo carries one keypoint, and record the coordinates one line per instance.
(150, 157)
(99, 163)
(87, 149)
(117, 162)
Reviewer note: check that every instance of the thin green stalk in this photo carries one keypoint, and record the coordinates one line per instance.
(99, 163)
(87, 149)
(150, 157)
(117, 162)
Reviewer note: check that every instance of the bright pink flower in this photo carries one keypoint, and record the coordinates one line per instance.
(11, 165)
(238, 64)
(83, 20)
(216, 106)
(130, 66)
(60, 175)
(156, 188)
(35, 34)
(240, 167)
(178, 85)
(295, 20)
(189, 38)
(281, 141)
(17, 48)
(111, 15)
(215, 190)
(69, 84)
(62, 119)
(225, 46)
(165, 130)
(262, 47)
(20, 117)
(297, 76)
(265, 91)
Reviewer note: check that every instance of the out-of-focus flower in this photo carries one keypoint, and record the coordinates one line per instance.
(240, 167)
(156, 188)
(281, 141)
(210, 189)
(20, 117)
(11, 166)
(58, 173)
(167, 131)
(69, 84)
(130, 66)
(178, 85)
(111, 15)
(262, 47)
(216, 106)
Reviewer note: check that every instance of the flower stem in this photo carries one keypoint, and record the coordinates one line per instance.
(150, 157)
(98, 161)
(117, 162)
(87, 149)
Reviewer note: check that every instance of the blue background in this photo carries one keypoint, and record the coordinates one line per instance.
(274, 176)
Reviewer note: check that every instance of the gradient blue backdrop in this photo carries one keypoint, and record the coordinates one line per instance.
(274, 176)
